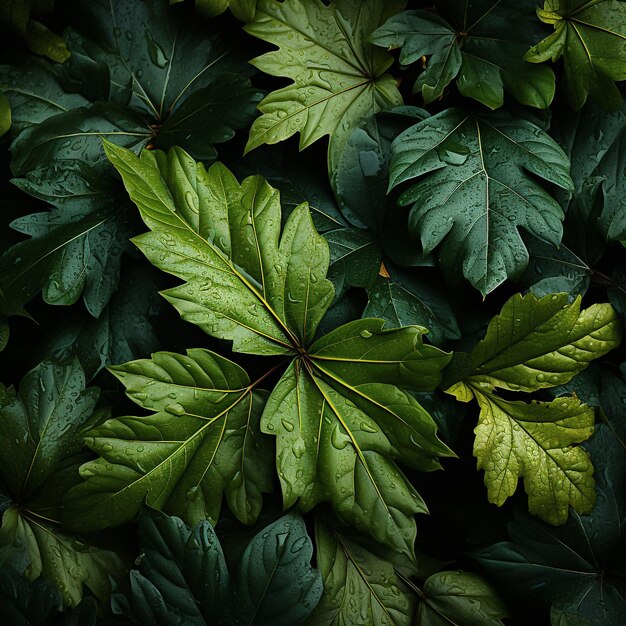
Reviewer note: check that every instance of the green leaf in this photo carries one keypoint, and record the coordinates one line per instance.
(578, 568)
(359, 586)
(183, 575)
(532, 344)
(5, 114)
(24, 602)
(265, 296)
(340, 412)
(242, 9)
(459, 598)
(355, 258)
(483, 50)
(535, 441)
(122, 332)
(200, 443)
(338, 77)
(595, 142)
(401, 299)
(43, 425)
(553, 270)
(590, 37)
(75, 248)
(475, 189)
(16, 14)
(542, 342)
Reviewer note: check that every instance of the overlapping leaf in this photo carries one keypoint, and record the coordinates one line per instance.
(533, 344)
(359, 586)
(183, 575)
(138, 76)
(590, 37)
(476, 188)
(578, 568)
(339, 78)
(43, 425)
(341, 413)
(201, 442)
(481, 44)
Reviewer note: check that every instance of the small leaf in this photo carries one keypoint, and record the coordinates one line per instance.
(459, 598)
(590, 37)
(348, 84)
(475, 190)
(534, 441)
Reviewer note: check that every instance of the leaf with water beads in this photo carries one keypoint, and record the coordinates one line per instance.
(43, 424)
(476, 188)
(341, 412)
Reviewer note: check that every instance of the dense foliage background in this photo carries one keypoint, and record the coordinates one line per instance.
(450, 296)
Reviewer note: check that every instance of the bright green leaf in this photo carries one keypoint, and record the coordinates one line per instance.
(200, 443)
(590, 36)
(535, 441)
(542, 342)
(338, 77)
(475, 189)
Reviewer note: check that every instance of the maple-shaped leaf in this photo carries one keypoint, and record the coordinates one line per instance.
(481, 44)
(341, 412)
(43, 425)
(536, 343)
(339, 78)
(477, 185)
(200, 443)
(590, 36)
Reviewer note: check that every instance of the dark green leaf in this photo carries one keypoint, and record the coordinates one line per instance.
(590, 37)
(475, 190)
(482, 48)
(183, 575)
(43, 426)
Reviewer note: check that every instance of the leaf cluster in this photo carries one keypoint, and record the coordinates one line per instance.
(268, 266)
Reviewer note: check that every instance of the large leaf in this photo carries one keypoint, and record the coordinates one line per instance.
(590, 36)
(481, 44)
(578, 568)
(183, 575)
(533, 344)
(338, 77)
(360, 587)
(201, 443)
(340, 412)
(475, 189)
(43, 425)
(169, 84)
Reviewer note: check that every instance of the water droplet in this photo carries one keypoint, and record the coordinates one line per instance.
(366, 334)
